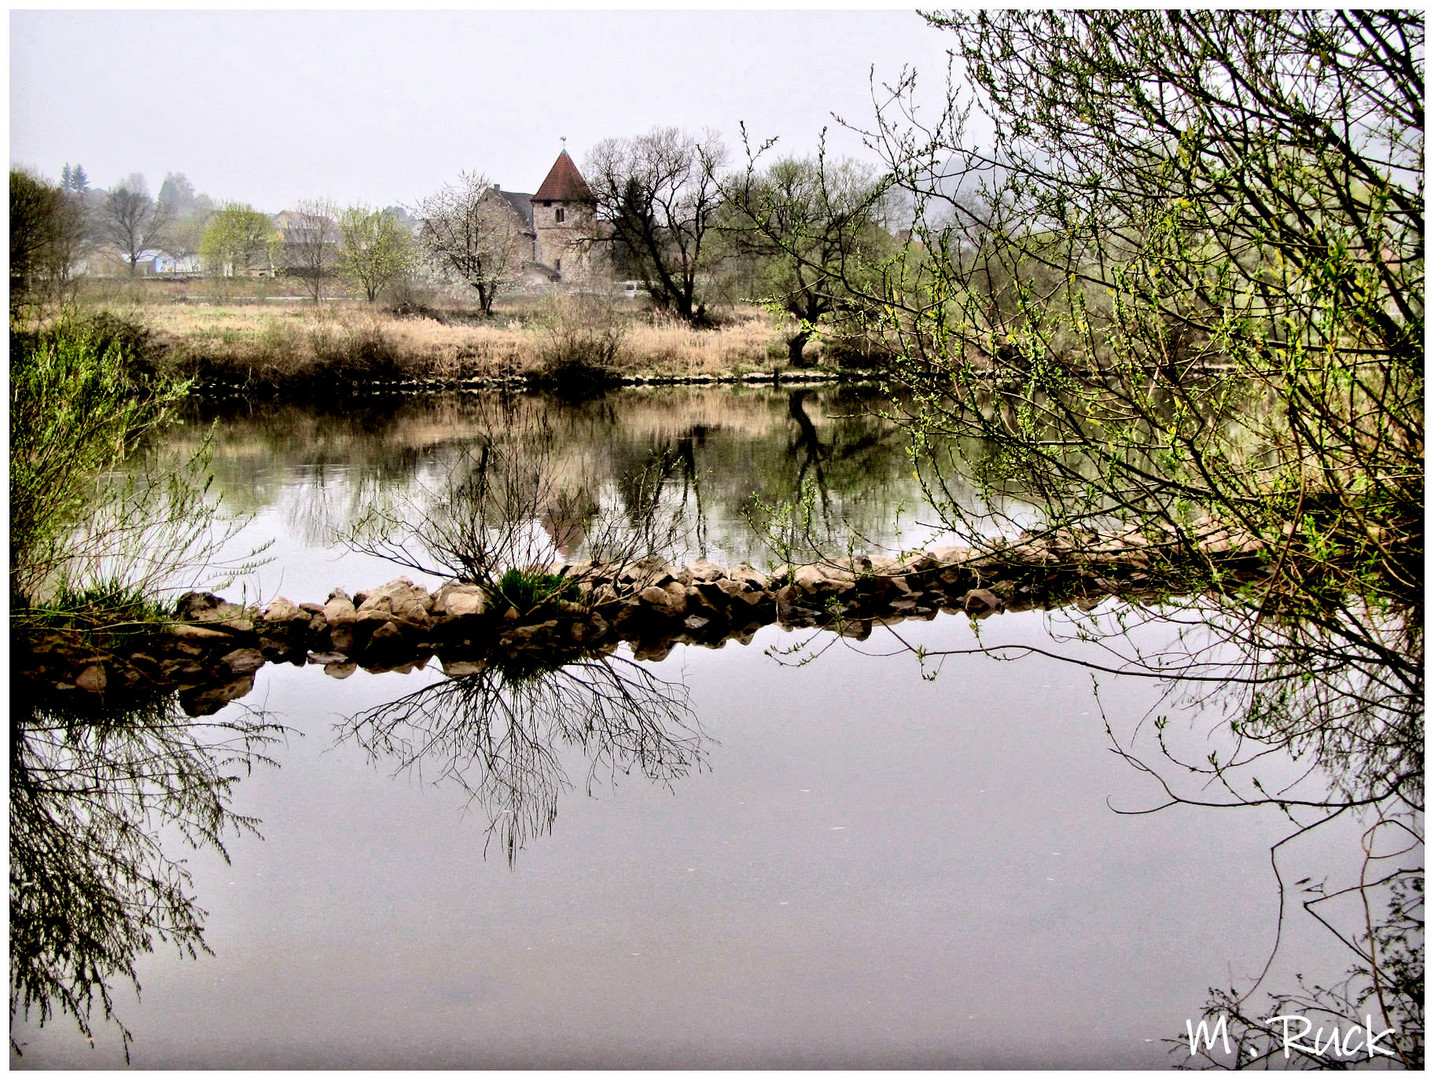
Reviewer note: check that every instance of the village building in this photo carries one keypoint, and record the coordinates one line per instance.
(561, 235)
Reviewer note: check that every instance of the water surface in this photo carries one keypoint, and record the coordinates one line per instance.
(793, 853)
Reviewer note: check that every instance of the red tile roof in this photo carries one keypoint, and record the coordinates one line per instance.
(563, 183)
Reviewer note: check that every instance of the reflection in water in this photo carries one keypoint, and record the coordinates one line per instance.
(1353, 719)
(93, 885)
(700, 457)
(1315, 729)
(514, 499)
(500, 732)
(1319, 719)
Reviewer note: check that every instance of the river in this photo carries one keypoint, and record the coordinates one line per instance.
(798, 852)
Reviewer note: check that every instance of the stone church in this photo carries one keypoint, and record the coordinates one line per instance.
(560, 231)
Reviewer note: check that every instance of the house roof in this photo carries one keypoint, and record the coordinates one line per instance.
(563, 183)
(522, 205)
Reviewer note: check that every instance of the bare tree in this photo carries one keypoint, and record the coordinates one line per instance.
(473, 234)
(132, 220)
(659, 192)
(311, 243)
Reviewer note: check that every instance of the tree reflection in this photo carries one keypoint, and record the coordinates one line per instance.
(1281, 713)
(500, 734)
(93, 882)
(1352, 725)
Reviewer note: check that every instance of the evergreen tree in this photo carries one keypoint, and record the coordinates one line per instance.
(73, 178)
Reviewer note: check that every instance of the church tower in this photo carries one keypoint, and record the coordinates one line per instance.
(564, 218)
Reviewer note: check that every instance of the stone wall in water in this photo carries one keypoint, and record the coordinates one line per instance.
(212, 649)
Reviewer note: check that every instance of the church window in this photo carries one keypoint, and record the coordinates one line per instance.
(559, 214)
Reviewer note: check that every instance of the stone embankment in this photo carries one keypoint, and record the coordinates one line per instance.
(212, 649)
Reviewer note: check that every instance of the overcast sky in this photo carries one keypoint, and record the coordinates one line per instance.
(270, 107)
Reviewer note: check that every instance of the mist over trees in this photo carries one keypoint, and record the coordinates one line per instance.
(810, 229)
(311, 243)
(47, 234)
(74, 178)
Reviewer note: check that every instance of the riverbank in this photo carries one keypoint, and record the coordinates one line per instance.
(265, 346)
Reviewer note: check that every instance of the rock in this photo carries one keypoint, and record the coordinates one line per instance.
(199, 634)
(387, 636)
(919, 563)
(456, 669)
(399, 599)
(243, 661)
(92, 680)
(641, 572)
(210, 699)
(981, 600)
(326, 658)
(282, 610)
(1005, 589)
(706, 600)
(147, 664)
(696, 623)
(206, 607)
(954, 575)
(704, 570)
(340, 671)
(459, 601)
(279, 652)
(886, 584)
(342, 638)
(751, 597)
(523, 636)
(657, 600)
(177, 669)
(809, 578)
(339, 609)
(603, 594)
(658, 650)
(745, 575)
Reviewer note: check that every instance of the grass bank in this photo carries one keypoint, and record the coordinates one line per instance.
(268, 345)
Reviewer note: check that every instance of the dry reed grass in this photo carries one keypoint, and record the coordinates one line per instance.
(275, 342)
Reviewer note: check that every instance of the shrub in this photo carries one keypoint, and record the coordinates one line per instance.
(530, 589)
(78, 406)
(583, 338)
